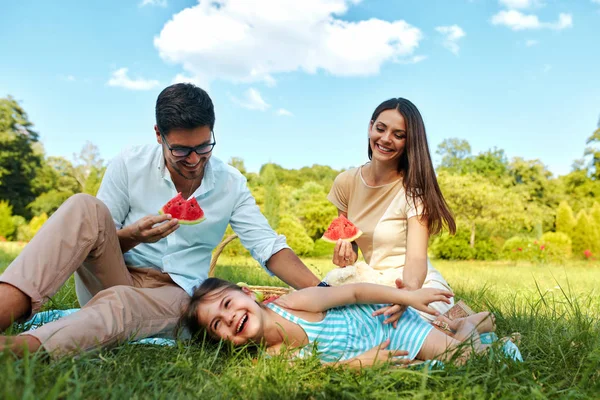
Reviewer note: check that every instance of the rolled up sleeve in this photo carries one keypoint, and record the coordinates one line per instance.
(114, 192)
(253, 228)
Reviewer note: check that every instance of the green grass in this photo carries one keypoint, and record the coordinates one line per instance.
(556, 308)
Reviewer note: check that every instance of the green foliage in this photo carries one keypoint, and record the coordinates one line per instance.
(18, 160)
(48, 202)
(26, 232)
(479, 204)
(453, 247)
(557, 246)
(296, 236)
(522, 248)
(455, 155)
(7, 225)
(272, 198)
(485, 250)
(565, 220)
(322, 249)
(585, 236)
(594, 153)
(235, 247)
(313, 209)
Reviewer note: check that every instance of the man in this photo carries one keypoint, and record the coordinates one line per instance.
(133, 281)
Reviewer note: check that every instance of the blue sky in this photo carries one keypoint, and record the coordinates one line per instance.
(295, 82)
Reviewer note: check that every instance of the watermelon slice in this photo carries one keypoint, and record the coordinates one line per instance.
(341, 228)
(188, 212)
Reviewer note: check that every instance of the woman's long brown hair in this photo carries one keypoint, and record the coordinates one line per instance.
(419, 180)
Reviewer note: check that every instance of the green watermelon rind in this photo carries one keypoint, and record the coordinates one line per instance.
(184, 221)
(349, 240)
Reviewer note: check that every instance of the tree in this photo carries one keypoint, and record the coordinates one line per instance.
(585, 236)
(594, 152)
(313, 209)
(272, 200)
(295, 234)
(565, 220)
(18, 159)
(455, 155)
(478, 203)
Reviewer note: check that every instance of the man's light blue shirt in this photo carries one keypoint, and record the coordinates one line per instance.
(137, 184)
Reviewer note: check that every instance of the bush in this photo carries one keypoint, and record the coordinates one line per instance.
(522, 248)
(457, 247)
(7, 226)
(322, 249)
(557, 246)
(26, 232)
(296, 235)
(485, 250)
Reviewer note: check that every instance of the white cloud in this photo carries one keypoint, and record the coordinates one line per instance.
(518, 21)
(120, 78)
(451, 36)
(252, 100)
(159, 3)
(253, 41)
(521, 4)
(531, 42)
(284, 113)
(596, 1)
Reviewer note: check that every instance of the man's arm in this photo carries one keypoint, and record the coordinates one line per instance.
(290, 269)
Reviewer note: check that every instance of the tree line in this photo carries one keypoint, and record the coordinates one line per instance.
(505, 208)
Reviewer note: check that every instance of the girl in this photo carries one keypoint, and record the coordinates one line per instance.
(396, 202)
(336, 322)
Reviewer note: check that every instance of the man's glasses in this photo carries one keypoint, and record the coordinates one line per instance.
(182, 152)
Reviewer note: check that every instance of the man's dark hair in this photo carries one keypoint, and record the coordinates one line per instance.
(184, 106)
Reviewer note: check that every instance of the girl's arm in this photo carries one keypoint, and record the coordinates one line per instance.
(415, 268)
(319, 299)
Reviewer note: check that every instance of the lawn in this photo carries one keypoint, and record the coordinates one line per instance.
(556, 309)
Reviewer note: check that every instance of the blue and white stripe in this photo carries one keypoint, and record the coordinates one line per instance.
(348, 331)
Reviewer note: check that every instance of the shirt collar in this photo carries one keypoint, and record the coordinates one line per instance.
(208, 181)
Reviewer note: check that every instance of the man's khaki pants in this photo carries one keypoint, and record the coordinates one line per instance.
(126, 303)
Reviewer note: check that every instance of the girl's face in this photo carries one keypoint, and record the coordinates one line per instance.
(387, 136)
(232, 315)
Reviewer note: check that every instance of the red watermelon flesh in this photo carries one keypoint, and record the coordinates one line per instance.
(341, 228)
(188, 212)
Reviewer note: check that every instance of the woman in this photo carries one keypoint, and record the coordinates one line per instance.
(396, 202)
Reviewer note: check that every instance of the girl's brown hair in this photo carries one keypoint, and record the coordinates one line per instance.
(420, 182)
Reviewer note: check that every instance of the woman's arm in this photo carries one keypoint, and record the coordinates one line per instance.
(319, 299)
(415, 267)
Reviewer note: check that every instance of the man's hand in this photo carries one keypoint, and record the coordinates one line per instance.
(394, 312)
(344, 254)
(149, 229)
(152, 228)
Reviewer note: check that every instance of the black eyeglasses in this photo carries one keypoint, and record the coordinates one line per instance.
(182, 152)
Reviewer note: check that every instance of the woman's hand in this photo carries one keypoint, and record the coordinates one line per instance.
(395, 311)
(421, 298)
(344, 254)
(379, 355)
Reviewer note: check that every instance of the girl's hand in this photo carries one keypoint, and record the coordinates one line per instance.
(421, 298)
(344, 254)
(395, 311)
(378, 355)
